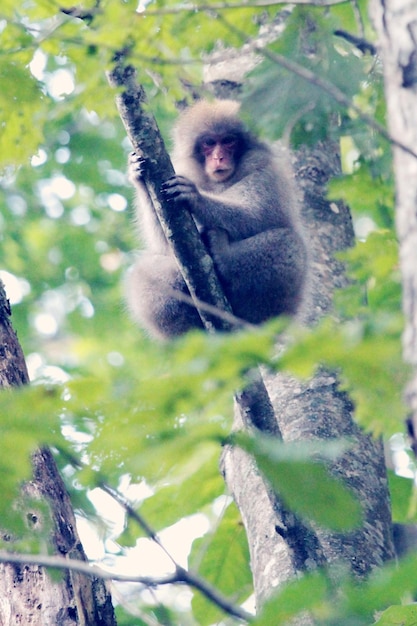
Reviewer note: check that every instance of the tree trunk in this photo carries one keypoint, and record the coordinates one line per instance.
(281, 546)
(396, 26)
(27, 594)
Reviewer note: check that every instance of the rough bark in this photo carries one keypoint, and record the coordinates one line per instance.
(27, 593)
(281, 546)
(179, 227)
(396, 26)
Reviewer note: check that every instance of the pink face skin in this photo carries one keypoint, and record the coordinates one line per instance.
(219, 155)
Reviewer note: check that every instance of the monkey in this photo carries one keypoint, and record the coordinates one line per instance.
(244, 204)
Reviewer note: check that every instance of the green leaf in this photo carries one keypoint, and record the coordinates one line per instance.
(222, 558)
(26, 423)
(403, 498)
(302, 595)
(286, 101)
(20, 136)
(195, 485)
(367, 192)
(372, 345)
(398, 616)
(305, 484)
(386, 586)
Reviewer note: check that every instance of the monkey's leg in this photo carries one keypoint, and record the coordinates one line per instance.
(263, 276)
(150, 293)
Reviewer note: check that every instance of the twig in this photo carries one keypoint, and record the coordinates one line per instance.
(137, 518)
(229, 318)
(180, 576)
(222, 6)
(183, 575)
(361, 44)
(318, 81)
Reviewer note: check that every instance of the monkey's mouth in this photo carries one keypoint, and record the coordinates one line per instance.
(222, 173)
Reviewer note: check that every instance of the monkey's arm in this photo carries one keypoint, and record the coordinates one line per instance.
(149, 225)
(246, 208)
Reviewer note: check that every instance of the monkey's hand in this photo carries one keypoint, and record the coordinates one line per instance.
(137, 168)
(179, 188)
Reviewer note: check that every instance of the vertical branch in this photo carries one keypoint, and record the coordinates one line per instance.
(195, 263)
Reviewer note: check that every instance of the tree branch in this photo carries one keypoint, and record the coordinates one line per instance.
(137, 518)
(246, 4)
(180, 576)
(361, 44)
(320, 82)
(178, 226)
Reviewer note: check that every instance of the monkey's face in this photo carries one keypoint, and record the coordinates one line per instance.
(218, 154)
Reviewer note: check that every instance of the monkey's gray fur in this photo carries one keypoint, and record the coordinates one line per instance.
(248, 217)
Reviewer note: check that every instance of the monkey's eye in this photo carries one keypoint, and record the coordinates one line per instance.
(208, 142)
(229, 140)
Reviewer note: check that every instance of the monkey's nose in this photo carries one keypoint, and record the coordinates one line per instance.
(218, 154)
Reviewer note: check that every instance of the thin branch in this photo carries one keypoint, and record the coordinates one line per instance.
(246, 4)
(83, 567)
(358, 17)
(212, 594)
(180, 576)
(318, 81)
(137, 518)
(185, 576)
(229, 318)
(363, 45)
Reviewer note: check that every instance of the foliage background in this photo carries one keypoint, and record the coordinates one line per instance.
(135, 413)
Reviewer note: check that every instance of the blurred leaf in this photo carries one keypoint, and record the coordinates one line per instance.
(222, 558)
(159, 614)
(386, 586)
(286, 101)
(371, 345)
(25, 425)
(348, 602)
(19, 136)
(302, 595)
(197, 486)
(366, 193)
(398, 616)
(304, 483)
(403, 499)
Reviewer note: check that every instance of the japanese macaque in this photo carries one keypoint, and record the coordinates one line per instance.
(244, 205)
